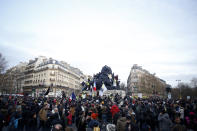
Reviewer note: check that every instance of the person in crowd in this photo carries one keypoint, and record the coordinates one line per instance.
(16, 120)
(94, 121)
(82, 122)
(111, 127)
(165, 122)
(43, 116)
(121, 123)
(57, 127)
(55, 117)
(104, 114)
(130, 124)
(178, 126)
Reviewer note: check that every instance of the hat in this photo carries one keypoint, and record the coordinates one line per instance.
(94, 115)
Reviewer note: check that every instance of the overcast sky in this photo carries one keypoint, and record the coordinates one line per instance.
(159, 35)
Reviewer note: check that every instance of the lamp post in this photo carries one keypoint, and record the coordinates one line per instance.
(179, 88)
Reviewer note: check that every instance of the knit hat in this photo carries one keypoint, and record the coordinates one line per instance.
(94, 115)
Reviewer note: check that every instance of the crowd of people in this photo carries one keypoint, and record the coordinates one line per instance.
(107, 113)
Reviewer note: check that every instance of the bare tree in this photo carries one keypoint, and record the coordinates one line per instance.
(194, 82)
(3, 63)
(183, 91)
(122, 86)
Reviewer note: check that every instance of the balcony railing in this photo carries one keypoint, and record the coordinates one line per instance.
(52, 79)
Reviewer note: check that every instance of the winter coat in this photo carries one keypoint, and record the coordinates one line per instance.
(93, 123)
(43, 115)
(55, 119)
(82, 124)
(114, 109)
(115, 118)
(69, 117)
(16, 121)
(182, 113)
(72, 110)
(131, 127)
(179, 127)
(121, 124)
(165, 123)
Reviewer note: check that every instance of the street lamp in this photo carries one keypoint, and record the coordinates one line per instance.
(179, 87)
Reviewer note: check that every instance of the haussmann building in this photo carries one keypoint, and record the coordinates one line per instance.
(141, 83)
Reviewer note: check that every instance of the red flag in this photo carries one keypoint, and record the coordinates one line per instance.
(94, 87)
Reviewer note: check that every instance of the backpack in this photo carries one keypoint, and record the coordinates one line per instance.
(96, 129)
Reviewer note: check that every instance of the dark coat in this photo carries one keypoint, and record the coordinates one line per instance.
(93, 123)
(121, 124)
(165, 123)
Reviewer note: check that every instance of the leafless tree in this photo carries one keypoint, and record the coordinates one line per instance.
(194, 82)
(183, 91)
(3, 63)
(122, 86)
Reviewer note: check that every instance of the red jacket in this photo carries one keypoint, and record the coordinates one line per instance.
(114, 110)
(69, 117)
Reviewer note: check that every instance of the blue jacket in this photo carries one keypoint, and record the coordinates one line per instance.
(93, 123)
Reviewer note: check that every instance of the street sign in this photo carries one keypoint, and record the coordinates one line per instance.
(169, 95)
(188, 97)
(140, 95)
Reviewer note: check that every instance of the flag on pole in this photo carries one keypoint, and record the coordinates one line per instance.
(104, 87)
(83, 95)
(73, 97)
(94, 87)
(100, 93)
(102, 90)
(114, 82)
(47, 92)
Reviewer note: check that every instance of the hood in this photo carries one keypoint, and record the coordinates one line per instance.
(166, 116)
(123, 119)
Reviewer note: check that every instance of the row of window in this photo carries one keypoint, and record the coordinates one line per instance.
(28, 82)
(54, 79)
(58, 80)
(39, 81)
(59, 74)
(40, 75)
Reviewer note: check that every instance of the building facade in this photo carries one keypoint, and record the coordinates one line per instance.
(42, 73)
(38, 75)
(12, 81)
(140, 81)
